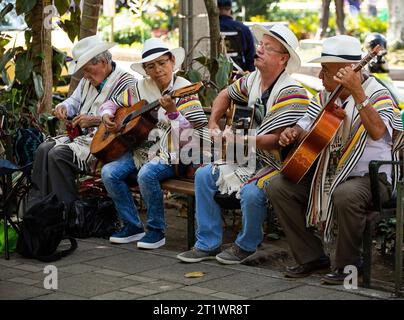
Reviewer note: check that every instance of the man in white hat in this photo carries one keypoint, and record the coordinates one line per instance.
(338, 183)
(58, 160)
(279, 101)
(158, 65)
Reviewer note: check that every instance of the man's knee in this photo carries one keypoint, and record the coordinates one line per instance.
(107, 173)
(57, 153)
(274, 186)
(146, 175)
(252, 194)
(344, 195)
(202, 173)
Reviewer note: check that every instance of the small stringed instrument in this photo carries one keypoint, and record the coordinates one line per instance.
(299, 161)
(239, 117)
(134, 124)
(72, 132)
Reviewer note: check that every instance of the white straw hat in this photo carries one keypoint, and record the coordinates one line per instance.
(340, 49)
(85, 50)
(285, 36)
(154, 48)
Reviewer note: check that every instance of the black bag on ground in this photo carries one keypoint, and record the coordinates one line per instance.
(93, 217)
(42, 229)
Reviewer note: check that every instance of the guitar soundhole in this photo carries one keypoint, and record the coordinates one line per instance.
(106, 134)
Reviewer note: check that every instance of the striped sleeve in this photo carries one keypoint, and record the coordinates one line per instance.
(238, 90)
(191, 108)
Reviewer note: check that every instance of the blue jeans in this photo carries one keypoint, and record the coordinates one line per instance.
(149, 176)
(208, 213)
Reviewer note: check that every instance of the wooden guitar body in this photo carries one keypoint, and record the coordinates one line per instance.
(134, 124)
(298, 162)
(323, 131)
(109, 146)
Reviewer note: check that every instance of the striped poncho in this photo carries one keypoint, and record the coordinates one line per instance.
(354, 141)
(286, 104)
(190, 107)
(86, 99)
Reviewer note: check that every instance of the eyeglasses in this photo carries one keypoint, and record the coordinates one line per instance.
(152, 66)
(268, 49)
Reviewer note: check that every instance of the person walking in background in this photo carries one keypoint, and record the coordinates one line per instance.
(354, 7)
(325, 15)
(372, 8)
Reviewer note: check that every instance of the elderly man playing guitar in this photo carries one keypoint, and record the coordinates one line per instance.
(278, 101)
(158, 64)
(338, 183)
(59, 159)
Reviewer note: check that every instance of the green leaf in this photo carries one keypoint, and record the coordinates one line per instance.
(23, 68)
(3, 42)
(38, 84)
(194, 76)
(41, 56)
(6, 58)
(24, 6)
(62, 6)
(27, 37)
(207, 96)
(4, 77)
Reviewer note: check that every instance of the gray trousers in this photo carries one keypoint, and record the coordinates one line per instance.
(325, 15)
(54, 171)
(351, 199)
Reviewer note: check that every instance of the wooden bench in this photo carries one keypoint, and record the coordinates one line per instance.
(186, 187)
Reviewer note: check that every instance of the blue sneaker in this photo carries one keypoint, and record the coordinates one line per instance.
(128, 233)
(152, 240)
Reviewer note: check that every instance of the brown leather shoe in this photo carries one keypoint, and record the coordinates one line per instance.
(304, 270)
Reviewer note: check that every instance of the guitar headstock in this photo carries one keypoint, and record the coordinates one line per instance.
(368, 57)
(188, 90)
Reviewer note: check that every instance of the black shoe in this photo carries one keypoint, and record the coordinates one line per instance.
(338, 276)
(304, 270)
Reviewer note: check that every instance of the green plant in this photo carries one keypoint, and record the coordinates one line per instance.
(216, 71)
(386, 235)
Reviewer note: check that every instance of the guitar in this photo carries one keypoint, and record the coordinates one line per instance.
(134, 124)
(238, 117)
(299, 161)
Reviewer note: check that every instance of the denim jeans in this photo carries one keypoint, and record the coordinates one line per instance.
(208, 213)
(113, 176)
(149, 176)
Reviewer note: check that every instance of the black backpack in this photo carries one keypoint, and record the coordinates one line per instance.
(26, 141)
(94, 216)
(42, 230)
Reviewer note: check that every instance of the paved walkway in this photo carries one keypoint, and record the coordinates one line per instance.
(99, 270)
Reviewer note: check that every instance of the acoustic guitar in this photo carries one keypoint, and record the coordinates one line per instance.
(134, 124)
(299, 161)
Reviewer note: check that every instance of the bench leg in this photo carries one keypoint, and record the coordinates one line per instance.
(191, 221)
(399, 240)
(367, 254)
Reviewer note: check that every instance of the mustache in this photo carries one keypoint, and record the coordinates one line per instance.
(255, 56)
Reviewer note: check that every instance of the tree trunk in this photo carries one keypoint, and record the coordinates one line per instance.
(88, 27)
(395, 32)
(41, 54)
(214, 27)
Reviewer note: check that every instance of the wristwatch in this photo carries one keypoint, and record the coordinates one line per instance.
(363, 104)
